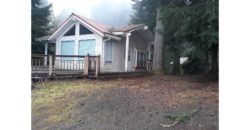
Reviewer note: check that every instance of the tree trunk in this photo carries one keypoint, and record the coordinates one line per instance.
(158, 45)
(207, 62)
(215, 60)
(176, 67)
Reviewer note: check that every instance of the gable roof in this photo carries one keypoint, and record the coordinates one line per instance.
(101, 27)
(98, 27)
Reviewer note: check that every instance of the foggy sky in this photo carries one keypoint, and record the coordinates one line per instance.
(110, 12)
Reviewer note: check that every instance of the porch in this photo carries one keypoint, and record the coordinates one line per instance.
(46, 67)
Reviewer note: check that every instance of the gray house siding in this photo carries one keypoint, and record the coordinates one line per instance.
(136, 42)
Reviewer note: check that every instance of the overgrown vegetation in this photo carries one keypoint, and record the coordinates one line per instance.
(190, 29)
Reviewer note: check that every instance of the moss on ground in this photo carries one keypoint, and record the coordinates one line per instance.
(47, 95)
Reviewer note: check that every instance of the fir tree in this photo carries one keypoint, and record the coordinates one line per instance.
(41, 23)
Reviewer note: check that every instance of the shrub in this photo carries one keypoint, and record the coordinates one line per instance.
(194, 65)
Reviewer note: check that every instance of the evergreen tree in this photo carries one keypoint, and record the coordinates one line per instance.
(148, 12)
(144, 12)
(173, 19)
(195, 22)
(190, 28)
(41, 23)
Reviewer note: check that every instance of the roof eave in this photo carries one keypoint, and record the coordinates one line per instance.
(79, 19)
(58, 29)
(85, 22)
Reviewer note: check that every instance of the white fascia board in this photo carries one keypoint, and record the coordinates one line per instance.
(59, 29)
(118, 33)
(100, 33)
(137, 28)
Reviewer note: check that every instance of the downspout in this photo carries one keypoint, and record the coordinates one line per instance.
(107, 39)
(103, 53)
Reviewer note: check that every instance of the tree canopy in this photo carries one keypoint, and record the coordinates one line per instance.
(144, 12)
(41, 22)
(190, 28)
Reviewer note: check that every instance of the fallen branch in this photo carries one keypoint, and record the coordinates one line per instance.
(174, 123)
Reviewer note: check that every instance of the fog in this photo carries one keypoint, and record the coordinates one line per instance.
(110, 12)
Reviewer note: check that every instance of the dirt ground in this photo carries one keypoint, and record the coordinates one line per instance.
(144, 103)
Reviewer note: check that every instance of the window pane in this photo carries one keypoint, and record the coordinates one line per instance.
(135, 62)
(67, 48)
(87, 47)
(108, 52)
(129, 55)
(84, 30)
(71, 32)
(138, 59)
(141, 59)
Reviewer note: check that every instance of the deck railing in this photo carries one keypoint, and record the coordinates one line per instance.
(65, 64)
(149, 65)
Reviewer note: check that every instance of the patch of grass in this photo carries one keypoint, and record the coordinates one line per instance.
(179, 118)
(55, 101)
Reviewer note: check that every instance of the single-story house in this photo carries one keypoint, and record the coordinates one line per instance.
(121, 49)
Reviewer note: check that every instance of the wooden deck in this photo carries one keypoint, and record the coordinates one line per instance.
(47, 67)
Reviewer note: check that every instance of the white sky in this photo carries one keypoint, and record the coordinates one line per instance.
(90, 8)
(84, 5)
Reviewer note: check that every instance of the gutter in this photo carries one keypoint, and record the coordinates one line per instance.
(107, 39)
(113, 37)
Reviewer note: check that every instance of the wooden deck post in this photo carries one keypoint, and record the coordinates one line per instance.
(86, 66)
(50, 64)
(97, 65)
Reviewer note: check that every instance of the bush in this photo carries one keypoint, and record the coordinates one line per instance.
(168, 58)
(193, 66)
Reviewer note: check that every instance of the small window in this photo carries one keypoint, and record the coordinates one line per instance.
(84, 30)
(71, 32)
(108, 52)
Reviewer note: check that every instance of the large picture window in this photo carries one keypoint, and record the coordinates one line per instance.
(87, 47)
(67, 48)
(108, 52)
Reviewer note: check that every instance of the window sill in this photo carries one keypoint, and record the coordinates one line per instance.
(108, 62)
